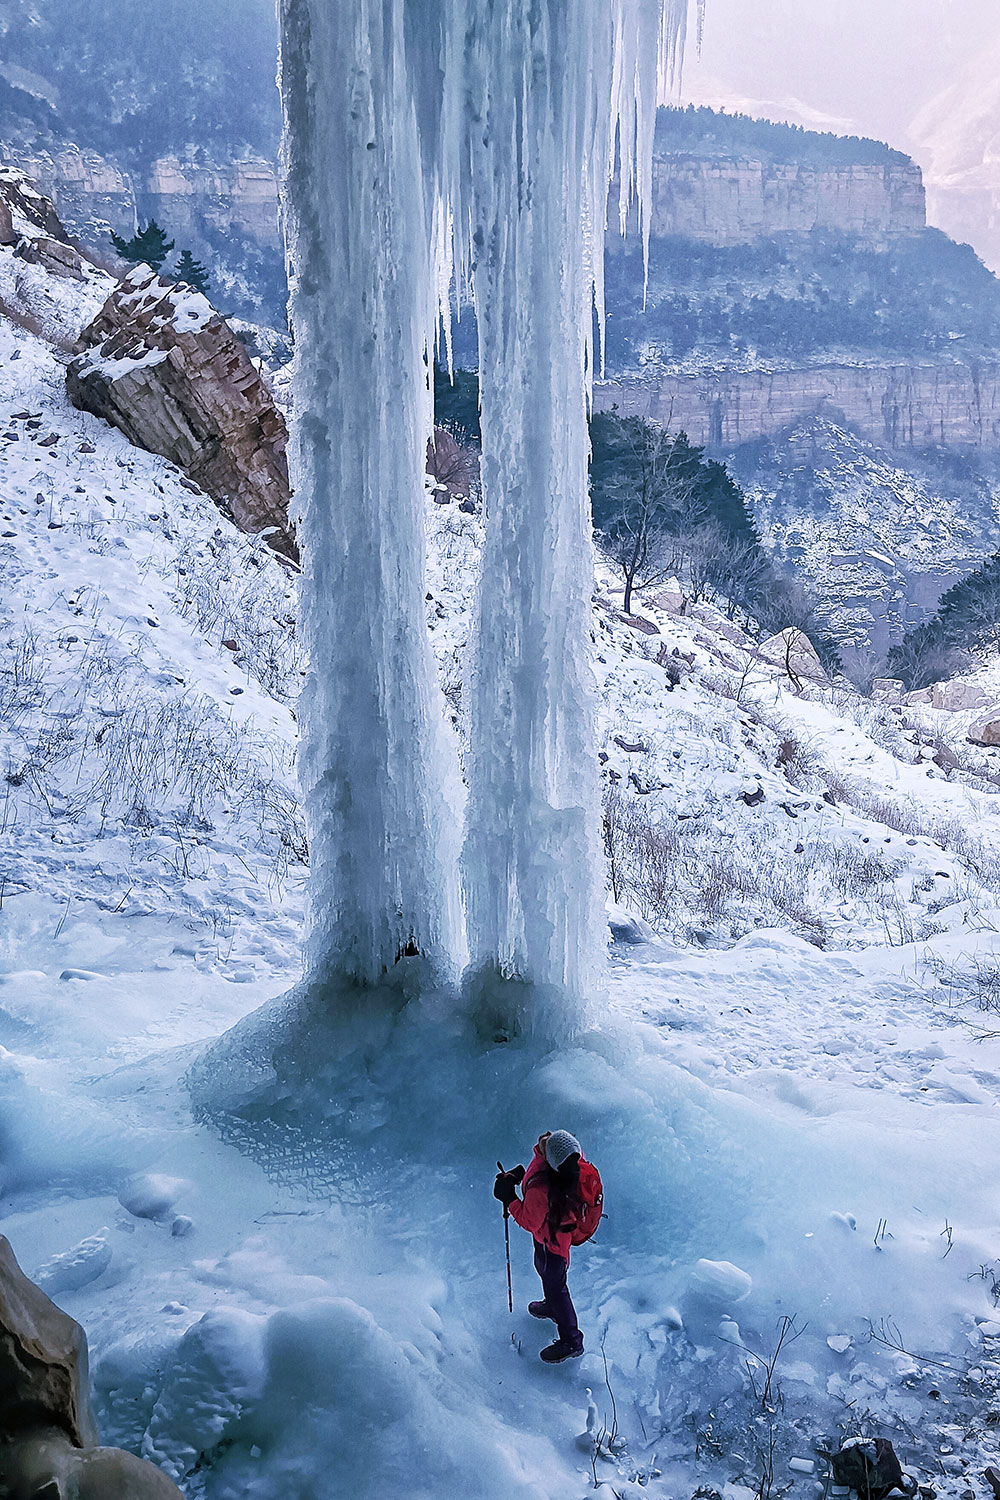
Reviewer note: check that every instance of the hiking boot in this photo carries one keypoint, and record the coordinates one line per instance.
(562, 1349)
(540, 1310)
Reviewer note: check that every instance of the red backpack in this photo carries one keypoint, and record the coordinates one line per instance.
(592, 1198)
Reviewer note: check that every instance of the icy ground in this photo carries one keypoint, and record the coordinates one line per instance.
(792, 1077)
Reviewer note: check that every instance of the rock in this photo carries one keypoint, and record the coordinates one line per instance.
(628, 929)
(887, 690)
(181, 1227)
(78, 1267)
(51, 255)
(44, 1465)
(908, 406)
(953, 696)
(986, 729)
(870, 1468)
(635, 622)
(735, 199)
(164, 368)
(31, 209)
(43, 1358)
(151, 1195)
(7, 235)
(795, 654)
(720, 1283)
(671, 600)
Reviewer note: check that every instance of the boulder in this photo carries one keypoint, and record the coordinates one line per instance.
(161, 365)
(48, 1441)
(672, 600)
(52, 255)
(44, 1465)
(887, 690)
(794, 653)
(953, 697)
(32, 210)
(870, 1468)
(43, 1359)
(986, 729)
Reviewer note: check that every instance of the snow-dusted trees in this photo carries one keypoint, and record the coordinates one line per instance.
(474, 135)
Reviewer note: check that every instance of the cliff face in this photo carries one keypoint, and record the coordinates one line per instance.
(226, 215)
(89, 192)
(737, 201)
(897, 406)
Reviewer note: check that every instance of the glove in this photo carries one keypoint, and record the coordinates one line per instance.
(505, 1189)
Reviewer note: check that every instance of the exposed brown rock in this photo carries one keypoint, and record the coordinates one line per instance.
(23, 199)
(43, 1360)
(44, 1465)
(52, 255)
(986, 729)
(48, 1441)
(795, 654)
(953, 697)
(889, 690)
(167, 370)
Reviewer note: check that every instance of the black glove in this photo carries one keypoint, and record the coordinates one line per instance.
(505, 1188)
(518, 1174)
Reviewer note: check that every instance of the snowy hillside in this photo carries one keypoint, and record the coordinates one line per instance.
(790, 1089)
(876, 537)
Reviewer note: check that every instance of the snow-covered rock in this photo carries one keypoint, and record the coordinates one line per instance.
(720, 1283)
(78, 1267)
(160, 364)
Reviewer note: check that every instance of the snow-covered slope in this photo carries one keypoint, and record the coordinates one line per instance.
(875, 537)
(789, 1076)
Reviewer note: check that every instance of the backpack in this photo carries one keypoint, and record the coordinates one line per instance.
(592, 1200)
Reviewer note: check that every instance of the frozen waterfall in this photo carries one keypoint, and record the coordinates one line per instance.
(474, 137)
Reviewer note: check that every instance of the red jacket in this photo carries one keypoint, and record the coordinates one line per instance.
(531, 1210)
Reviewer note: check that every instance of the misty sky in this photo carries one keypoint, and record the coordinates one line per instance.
(869, 65)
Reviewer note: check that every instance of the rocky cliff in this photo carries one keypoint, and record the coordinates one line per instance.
(899, 406)
(739, 200)
(226, 213)
(161, 365)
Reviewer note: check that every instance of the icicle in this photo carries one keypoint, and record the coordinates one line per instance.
(360, 144)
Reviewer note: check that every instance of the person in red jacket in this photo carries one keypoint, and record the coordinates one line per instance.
(547, 1209)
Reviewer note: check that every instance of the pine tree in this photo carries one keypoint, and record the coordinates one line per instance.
(192, 273)
(149, 246)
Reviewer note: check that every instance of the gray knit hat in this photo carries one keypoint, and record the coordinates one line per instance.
(559, 1147)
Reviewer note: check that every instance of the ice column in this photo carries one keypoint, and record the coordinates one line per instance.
(548, 84)
(361, 88)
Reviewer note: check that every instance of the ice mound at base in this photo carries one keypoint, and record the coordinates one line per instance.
(268, 1404)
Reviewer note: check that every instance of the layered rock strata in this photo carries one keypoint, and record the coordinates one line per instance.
(736, 200)
(167, 370)
(897, 406)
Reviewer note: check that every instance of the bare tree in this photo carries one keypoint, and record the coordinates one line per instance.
(653, 500)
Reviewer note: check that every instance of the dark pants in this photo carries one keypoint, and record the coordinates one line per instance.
(552, 1269)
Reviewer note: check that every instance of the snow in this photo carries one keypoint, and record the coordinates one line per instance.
(795, 1075)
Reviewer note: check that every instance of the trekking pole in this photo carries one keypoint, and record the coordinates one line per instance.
(506, 1241)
